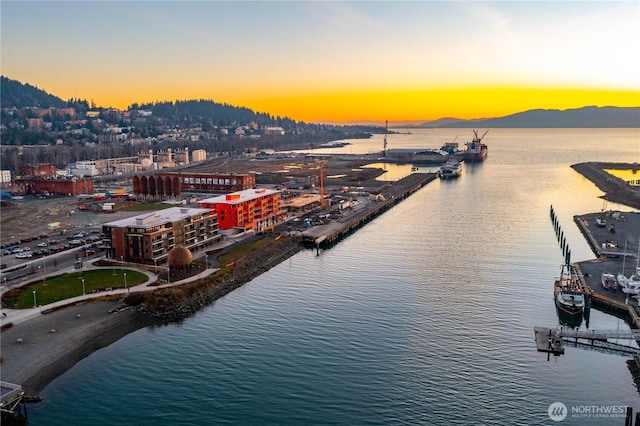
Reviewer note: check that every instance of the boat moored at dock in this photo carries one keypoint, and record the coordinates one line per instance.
(569, 296)
(609, 281)
(451, 170)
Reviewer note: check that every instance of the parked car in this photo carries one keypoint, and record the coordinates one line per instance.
(85, 253)
(23, 255)
(75, 242)
(43, 245)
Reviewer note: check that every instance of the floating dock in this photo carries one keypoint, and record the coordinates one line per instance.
(552, 340)
(549, 340)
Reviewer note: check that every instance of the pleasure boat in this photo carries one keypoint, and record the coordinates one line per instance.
(609, 281)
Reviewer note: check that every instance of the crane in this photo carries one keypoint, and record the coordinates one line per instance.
(320, 166)
(323, 203)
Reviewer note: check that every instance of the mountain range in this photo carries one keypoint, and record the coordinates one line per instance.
(16, 94)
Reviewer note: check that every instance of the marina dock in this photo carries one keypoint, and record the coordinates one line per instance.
(608, 244)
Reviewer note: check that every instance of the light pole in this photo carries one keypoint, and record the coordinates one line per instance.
(122, 265)
(125, 281)
(83, 292)
(35, 304)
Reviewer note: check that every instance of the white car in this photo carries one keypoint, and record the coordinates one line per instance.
(23, 255)
(43, 245)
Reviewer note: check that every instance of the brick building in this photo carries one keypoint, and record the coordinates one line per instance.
(211, 182)
(148, 238)
(61, 186)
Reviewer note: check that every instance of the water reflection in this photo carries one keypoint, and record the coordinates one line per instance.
(394, 172)
(631, 176)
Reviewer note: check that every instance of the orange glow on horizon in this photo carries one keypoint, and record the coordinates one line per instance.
(378, 106)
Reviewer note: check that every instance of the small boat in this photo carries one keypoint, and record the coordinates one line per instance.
(569, 296)
(609, 281)
(450, 170)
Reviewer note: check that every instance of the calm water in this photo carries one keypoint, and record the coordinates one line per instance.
(425, 316)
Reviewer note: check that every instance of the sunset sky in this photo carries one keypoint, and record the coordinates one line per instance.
(330, 61)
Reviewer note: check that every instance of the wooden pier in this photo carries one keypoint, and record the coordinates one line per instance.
(12, 401)
(324, 236)
(552, 340)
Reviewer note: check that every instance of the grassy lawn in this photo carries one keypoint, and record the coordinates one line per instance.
(70, 285)
(146, 207)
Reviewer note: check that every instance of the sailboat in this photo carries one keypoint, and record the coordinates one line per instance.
(630, 285)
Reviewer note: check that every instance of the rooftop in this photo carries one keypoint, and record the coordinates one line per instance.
(149, 220)
(239, 196)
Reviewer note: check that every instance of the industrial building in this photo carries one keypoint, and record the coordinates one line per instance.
(157, 186)
(148, 238)
(257, 209)
(59, 186)
(211, 182)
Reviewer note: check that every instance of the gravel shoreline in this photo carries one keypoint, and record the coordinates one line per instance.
(37, 351)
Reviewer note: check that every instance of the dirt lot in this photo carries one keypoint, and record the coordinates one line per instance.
(30, 217)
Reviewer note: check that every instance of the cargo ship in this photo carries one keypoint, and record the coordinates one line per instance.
(476, 151)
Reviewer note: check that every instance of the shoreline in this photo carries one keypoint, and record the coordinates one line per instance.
(33, 354)
(37, 351)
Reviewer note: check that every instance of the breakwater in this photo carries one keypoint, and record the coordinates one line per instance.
(210, 291)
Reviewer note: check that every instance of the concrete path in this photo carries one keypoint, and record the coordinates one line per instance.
(17, 316)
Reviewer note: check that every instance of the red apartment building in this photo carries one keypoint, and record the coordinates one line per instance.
(258, 209)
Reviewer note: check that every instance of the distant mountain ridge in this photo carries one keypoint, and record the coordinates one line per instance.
(585, 117)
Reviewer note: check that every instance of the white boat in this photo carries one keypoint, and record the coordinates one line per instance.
(450, 170)
(609, 281)
(631, 284)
